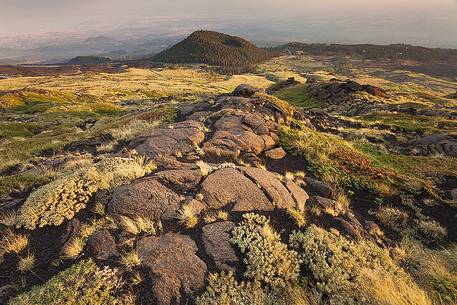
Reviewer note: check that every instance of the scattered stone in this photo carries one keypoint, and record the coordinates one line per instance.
(276, 154)
(245, 90)
(216, 238)
(145, 198)
(373, 229)
(325, 204)
(290, 82)
(269, 141)
(272, 186)
(319, 188)
(229, 186)
(175, 269)
(102, 246)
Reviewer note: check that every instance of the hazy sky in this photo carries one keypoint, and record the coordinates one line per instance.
(27, 16)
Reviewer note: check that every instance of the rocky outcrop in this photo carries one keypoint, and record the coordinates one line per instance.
(216, 238)
(436, 144)
(245, 90)
(274, 189)
(228, 186)
(146, 198)
(178, 138)
(175, 269)
(102, 246)
(338, 92)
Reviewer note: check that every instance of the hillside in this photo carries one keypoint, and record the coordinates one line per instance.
(213, 48)
(370, 51)
(176, 185)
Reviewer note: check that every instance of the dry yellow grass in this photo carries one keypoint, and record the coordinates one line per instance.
(73, 249)
(187, 217)
(137, 83)
(12, 242)
(26, 263)
(130, 260)
(386, 289)
(139, 225)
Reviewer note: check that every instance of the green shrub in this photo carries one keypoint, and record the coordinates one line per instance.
(430, 231)
(224, 289)
(268, 260)
(62, 198)
(81, 284)
(337, 266)
(394, 219)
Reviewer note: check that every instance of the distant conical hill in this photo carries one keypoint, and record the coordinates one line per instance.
(213, 48)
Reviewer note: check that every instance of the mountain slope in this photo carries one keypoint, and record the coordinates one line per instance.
(213, 48)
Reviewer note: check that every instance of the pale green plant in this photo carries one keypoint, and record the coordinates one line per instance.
(267, 260)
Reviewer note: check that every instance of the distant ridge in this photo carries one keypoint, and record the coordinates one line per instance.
(88, 60)
(213, 48)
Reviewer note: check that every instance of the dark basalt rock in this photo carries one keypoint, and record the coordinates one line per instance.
(216, 238)
(175, 269)
(245, 90)
(146, 198)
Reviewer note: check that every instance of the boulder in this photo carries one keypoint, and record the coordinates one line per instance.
(216, 238)
(102, 246)
(181, 179)
(245, 90)
(146, 198)
(175, 269)
(325, 204)
(275, 190)
(228, 186)
(319, 188)
(276, 154)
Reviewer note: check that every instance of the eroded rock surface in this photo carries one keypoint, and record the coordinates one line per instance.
(180, 137)
(229, 186)
(146, 198)
(175, 269)
(216, 238)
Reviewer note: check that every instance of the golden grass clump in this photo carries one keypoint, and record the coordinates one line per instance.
(130, 260)
(26, 263)
(187, 217)
(8, 218)
(298, 216)
(12, 242)
(354, 271)
(62, 198)
(140, 225)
